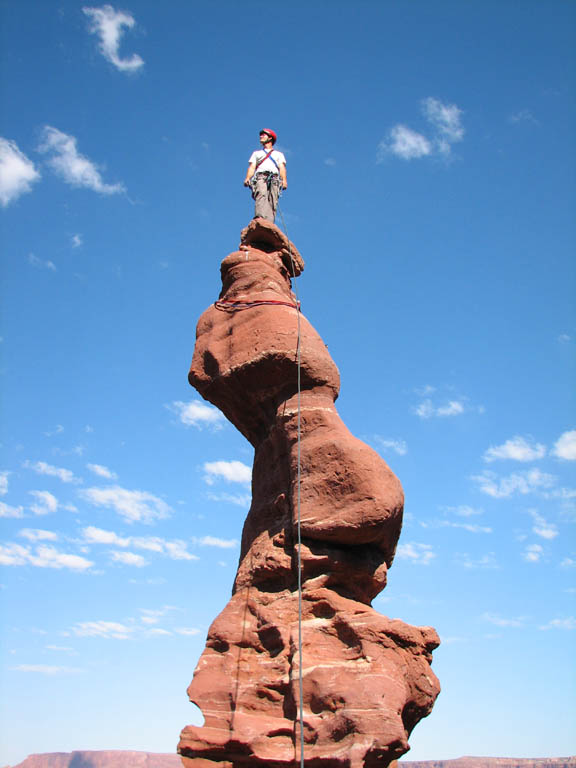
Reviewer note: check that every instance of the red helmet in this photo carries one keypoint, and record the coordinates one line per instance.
(270, 133)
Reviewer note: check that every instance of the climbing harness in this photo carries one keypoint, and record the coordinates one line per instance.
(271, 178)
(263, 160)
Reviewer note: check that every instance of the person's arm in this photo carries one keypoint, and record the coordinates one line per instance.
(249, 174)
(283, 179)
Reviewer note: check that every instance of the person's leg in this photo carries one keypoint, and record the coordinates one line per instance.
(263, 206)
(273, 195)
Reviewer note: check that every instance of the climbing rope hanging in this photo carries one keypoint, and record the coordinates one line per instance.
(238, 305)
(298, 499)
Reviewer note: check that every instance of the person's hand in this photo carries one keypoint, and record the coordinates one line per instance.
(284, 185)
(246, 182)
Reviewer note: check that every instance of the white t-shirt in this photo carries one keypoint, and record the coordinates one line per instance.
(267, 165)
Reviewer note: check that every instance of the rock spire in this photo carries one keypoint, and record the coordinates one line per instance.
(366, 679)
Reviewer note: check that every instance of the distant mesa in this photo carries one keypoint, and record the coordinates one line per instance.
(101, 759)
(121, 759)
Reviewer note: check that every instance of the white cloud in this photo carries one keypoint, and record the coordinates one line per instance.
(230, 471)
(102, 471)
(44, 669)
(144, 626)
(153, 616)
(523, 483)
(37, 534)
(58, 429)
(108, 24)
(446, 120)
(187, 631)
(424, 390)
(41, 468)
(533, 553)
(41, 263)
(149, 620)
(518, 449)
(60, 648)
(464, 526)
(149, 543)
(453, 408)
(464, 511)
(17, 172)
(212, 541)
(568, 623)
(421, 554)
(129, 558)
(487, 561)
(503, 622)
(566, 494)
(7, 511)
(14, 554)
(70, 165)
(523, 116)
(133, 506)
(94, 535)
(4, 483)
(197, 414)
(395, 445)
(405, 143)
(46, 502)
(427, 409)
(239, 499)
(565, 446)
(49, 557)
(175, 549)
(568, 562)
(76, 241)
(543, 528)
(45, 557)
(105, 629)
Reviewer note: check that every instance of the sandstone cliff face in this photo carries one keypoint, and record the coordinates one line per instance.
(366, 679)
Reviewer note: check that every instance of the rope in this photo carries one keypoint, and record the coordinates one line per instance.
(299, 526)
(233, 306)
(238, 304)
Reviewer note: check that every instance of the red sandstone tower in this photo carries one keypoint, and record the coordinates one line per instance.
(299, 638)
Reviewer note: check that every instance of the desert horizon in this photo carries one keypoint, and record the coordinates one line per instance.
(142, 759)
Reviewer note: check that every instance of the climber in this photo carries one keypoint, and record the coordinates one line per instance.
(265, 175)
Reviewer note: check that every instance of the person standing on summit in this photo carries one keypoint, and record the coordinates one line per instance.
(265, 175)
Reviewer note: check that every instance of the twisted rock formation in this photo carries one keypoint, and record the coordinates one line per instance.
(366, 679)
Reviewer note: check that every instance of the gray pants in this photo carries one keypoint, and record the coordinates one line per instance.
(265, 193)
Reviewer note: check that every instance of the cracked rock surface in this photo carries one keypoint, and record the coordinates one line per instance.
(366, 679)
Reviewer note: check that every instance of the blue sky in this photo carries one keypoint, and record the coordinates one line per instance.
(431, 156)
